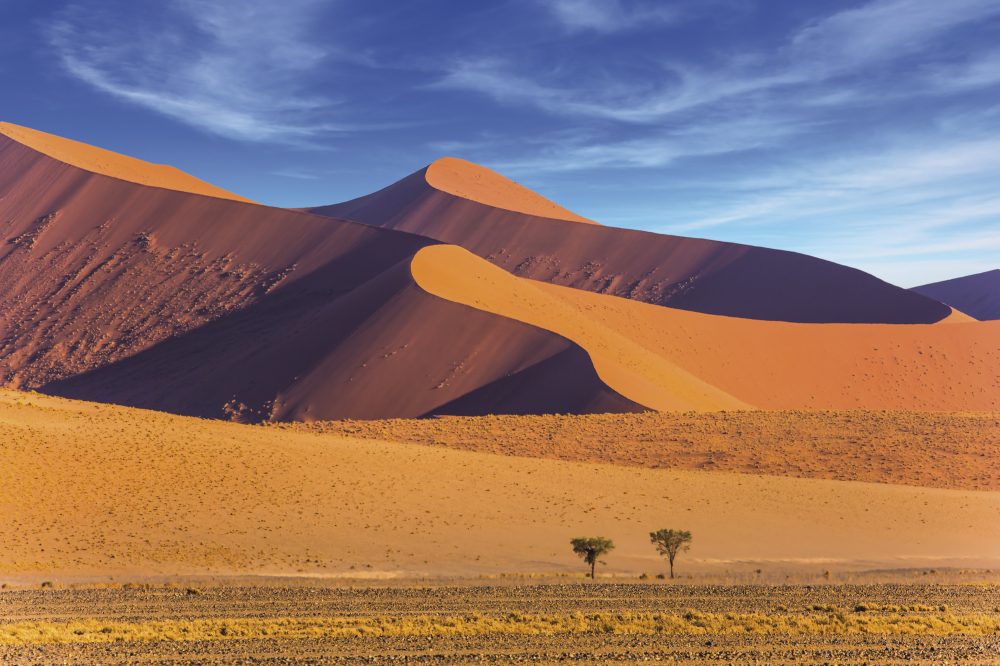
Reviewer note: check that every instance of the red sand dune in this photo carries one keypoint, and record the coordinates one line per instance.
(669, 359)
(976, 295)
(686, 273)
(470, 181)
(116, 291)
(119, 292)
(90, 158)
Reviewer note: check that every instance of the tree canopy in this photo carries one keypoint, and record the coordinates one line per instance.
(669, 542)
(591, 549)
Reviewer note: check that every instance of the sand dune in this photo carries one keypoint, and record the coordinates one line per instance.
(976, 295)
(106, 491)
(776, 365)
(114, 165)
(464, 179)
(633, 371)
(118, 292)
(688, 273)
(664, 358)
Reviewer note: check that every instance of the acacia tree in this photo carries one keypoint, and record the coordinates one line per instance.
(669, 543)
(591, 549)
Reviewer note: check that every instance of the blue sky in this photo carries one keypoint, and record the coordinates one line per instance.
(866, 132)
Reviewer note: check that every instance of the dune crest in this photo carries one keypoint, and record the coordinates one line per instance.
(471, 181)
(976, 295)
(694, 274)
(631, 370)
(782, 365)
(667, 359)
(114, 165)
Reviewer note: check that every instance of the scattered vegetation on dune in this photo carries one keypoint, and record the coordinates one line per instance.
(940, 450)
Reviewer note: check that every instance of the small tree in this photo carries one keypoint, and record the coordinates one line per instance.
(591, 549)
(669, 543)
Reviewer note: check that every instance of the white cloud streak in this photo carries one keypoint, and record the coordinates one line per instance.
(229, 67)
(838, 45)
(608, 15)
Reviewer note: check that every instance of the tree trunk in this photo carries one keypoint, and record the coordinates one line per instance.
(593, 565)
(671, 568)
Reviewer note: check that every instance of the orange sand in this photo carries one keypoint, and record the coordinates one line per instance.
(107, 163)
(675, 359)
(933, 449)
(88, 489)
(476, 183)
(633, 371)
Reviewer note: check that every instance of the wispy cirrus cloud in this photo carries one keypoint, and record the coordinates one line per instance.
(933, 206)
(230, 67)
(296, 174)
(827, 48)
(578, 151)
(949, 182)
(609, 15)
(882, 30)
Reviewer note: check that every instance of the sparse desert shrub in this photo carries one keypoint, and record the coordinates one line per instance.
(191, 591)
(46, 583)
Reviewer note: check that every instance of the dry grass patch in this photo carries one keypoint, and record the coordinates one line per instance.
(688, 623)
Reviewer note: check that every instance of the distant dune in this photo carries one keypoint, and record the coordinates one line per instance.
(97, 490)
(686, 273)
(976, 295)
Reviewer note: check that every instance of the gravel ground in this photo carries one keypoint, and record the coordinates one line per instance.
(138, 604)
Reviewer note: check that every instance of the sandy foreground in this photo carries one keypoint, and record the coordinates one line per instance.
(92, 491)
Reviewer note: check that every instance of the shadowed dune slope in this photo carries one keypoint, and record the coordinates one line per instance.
(673, 359)
(382, 349)
(101, 490)
(112, 164)
(118, 292)
(976, 295)
(686, 273)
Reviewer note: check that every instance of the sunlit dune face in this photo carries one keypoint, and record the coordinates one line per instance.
(668, 359)
(476, 183)
(114, 165)
(653, 381)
